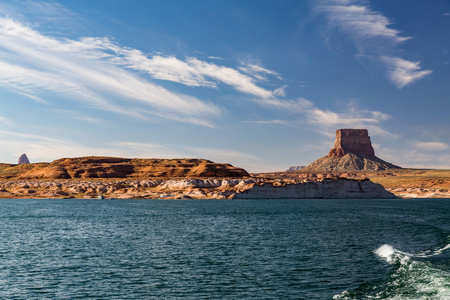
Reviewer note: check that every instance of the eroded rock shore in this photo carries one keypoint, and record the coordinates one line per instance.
(205, 188)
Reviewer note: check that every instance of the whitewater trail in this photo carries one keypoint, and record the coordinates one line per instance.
(409, 278)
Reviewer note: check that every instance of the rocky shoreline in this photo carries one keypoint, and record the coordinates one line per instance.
(420, 192)
(190, 188)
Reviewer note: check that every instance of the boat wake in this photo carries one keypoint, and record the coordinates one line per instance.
(424, 275)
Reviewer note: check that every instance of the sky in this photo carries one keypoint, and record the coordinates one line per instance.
(260, 84)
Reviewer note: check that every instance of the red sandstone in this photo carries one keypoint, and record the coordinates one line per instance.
(356, 141)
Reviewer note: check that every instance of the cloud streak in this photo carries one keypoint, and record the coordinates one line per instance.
(360, 22)
(325, 120)
(112, 78)
(432, 146)
(370, 32)
(403, 72)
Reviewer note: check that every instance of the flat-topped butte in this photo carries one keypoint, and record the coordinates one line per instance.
(115, 167)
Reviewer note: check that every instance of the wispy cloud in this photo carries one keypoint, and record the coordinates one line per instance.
(371, 33)
(191, 71)
(271, 122)
(403, 72)
(110, 77)
(432, 146)
(216, 57)
(71, 114)
(305, 112)
(5, 121)
(420, 158)
(35, 64)
(359, 22)
(258, 71)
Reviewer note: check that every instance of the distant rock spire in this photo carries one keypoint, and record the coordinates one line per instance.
(23, 159)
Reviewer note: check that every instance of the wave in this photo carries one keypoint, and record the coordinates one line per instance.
(412, 276)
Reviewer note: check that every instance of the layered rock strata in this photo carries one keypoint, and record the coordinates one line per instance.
(352, 152)
(323, 189)
(356, 141)
(113, 167)
(208, 188)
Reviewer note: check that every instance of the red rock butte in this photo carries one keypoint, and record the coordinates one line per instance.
(356, 141)
(352, 152)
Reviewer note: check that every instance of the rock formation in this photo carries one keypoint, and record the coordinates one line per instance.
(190, 188)
(113, 167)
(352, 152)
(295, 168)
(324, 189)
(356, 141)
(23, 160)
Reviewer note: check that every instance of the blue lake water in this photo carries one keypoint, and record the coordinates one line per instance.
(225, 249)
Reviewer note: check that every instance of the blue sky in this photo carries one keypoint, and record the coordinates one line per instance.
(259, 84)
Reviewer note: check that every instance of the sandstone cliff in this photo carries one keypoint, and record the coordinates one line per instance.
(352, 152)
(356, 141)
(207, 188)
(324, 189)
(112, 167)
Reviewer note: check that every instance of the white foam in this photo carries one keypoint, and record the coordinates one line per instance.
(410, 276)
(387, 252)
(427, 254)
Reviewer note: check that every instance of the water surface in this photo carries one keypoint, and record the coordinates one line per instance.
(225, 249)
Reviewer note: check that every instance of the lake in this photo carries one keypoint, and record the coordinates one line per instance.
(225, 249)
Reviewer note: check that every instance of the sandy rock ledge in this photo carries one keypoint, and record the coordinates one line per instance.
(206, 188)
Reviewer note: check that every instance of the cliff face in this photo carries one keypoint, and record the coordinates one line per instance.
(189, 188)
(112, 167)
(325, 189)
(356, 141)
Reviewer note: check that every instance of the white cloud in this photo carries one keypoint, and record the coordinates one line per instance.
(326, 121)
(270, 122)
(330, 118)
(5, 121)
(216, 57)
(280, 92)
(99, 72)
(359, 22)
(370, 32)
(76, 116)
(257, 71)
(431, 146)
(403, 72)
(423, 159)
(191, 72)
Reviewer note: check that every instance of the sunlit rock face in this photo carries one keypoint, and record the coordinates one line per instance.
(116, 167)
(356, 141)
